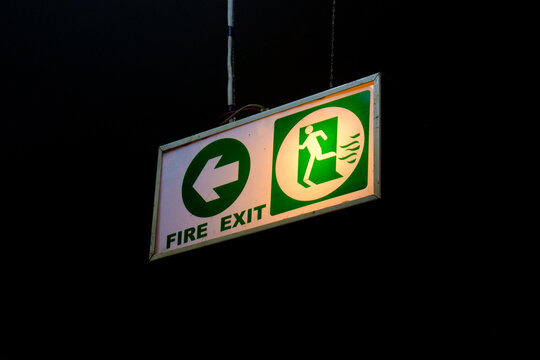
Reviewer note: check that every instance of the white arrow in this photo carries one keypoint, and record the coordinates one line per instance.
(212, 177)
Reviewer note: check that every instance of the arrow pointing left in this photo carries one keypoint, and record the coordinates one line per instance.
(212, 177)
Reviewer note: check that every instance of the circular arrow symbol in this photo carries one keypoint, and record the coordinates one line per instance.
(215, 177)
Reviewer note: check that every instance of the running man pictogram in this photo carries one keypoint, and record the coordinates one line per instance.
(315, 151)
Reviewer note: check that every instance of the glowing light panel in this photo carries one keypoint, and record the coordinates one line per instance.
(312, 156)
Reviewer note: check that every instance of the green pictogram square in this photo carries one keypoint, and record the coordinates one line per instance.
(323, 166)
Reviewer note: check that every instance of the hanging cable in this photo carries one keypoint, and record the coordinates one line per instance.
(332, 44)
(232, 114)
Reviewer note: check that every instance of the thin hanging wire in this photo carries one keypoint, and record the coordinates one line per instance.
(332, 44)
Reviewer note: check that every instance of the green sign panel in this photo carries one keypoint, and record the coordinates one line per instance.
(323, 156)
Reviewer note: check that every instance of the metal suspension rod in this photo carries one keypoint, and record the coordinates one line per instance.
(332, 45)
(230, 83)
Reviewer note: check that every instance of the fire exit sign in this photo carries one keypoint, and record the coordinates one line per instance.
(311, 156)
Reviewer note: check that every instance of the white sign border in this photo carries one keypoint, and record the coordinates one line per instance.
(376, 78)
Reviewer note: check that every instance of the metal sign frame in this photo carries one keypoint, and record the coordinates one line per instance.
(375, 78)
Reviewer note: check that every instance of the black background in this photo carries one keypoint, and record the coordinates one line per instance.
(93, 88)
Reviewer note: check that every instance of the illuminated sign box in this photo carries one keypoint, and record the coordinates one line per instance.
(312, 156)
